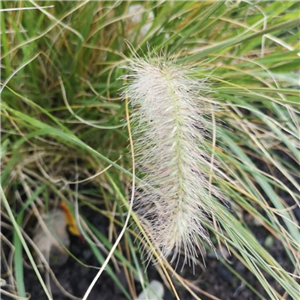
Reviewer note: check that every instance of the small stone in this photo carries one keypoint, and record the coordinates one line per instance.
(155, 291)
(269, 242)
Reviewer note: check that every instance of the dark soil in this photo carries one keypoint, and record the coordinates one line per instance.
(215, 279)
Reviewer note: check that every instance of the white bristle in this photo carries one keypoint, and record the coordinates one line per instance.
(169, 132)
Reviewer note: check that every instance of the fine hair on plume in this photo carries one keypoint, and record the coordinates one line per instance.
(171, 130)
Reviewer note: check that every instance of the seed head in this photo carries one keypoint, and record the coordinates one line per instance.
(170, 131)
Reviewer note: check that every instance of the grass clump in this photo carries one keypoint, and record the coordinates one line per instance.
(63, 135)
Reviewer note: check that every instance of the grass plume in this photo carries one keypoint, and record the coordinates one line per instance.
(170, 128)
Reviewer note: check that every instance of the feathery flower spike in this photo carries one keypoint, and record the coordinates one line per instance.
(169, 127)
